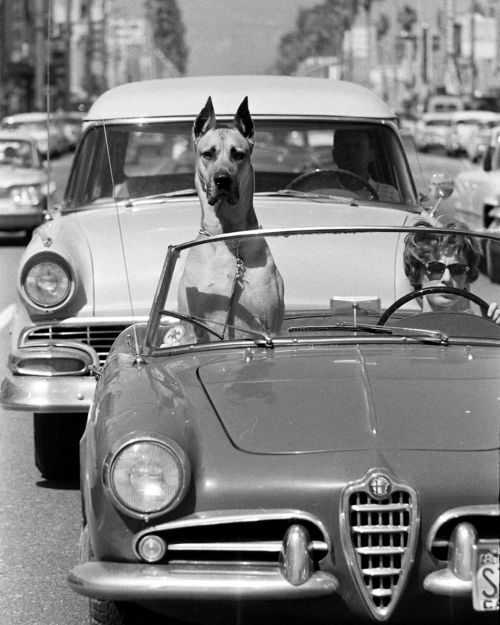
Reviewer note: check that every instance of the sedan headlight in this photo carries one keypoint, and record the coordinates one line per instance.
(47, 283)
(147, 477)
(27, 195)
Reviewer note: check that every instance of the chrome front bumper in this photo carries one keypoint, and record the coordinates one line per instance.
(146, 582)
(47, 394)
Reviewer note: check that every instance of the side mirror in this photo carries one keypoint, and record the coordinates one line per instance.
(440, 188)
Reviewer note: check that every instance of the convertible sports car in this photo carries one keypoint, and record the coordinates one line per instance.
(91, 270)
(342, 469)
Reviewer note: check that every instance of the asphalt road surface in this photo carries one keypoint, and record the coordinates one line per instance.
(40, 520)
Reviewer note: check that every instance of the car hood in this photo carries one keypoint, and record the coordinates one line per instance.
(11, 175)
(358, 397)
(148, 229)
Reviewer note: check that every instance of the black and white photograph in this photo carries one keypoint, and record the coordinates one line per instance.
(249, 312)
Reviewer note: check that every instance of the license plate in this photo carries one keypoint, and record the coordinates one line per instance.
(486, 577)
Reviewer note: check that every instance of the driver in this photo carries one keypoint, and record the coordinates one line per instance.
(443, 260)
(353, 151)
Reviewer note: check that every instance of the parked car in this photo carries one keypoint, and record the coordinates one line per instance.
(25, 188)
(476, 197)
(45, 132)
(342, 469)
(91, 271)
(431, 131)
(464, 126)
(480, 140)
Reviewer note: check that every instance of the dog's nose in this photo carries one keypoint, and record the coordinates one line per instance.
(223, 181)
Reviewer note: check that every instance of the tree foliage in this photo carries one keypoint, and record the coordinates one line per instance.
(169, 32)
(319, 31)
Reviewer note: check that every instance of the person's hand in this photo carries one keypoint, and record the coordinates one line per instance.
(494, 312)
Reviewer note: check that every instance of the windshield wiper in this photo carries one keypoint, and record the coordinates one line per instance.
(431, 335)
(261, 337)
(158, 196)
(309, 195)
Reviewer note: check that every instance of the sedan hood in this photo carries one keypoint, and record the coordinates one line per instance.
(148, 229)
(358, 398)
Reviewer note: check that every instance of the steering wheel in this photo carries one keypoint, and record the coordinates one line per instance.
(429, 290)
(331, 178)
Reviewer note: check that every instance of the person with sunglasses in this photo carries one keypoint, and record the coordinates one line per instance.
(451, 260)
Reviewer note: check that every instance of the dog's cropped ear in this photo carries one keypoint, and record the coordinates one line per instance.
(243, 121)
(205, 120)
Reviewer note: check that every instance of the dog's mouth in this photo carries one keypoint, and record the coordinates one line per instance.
(216, 194)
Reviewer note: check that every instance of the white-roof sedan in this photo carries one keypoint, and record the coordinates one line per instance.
(91, 271)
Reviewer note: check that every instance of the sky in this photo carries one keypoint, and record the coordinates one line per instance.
(232, 36)
(239, 36)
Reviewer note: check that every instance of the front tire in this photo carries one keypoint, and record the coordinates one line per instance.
(57, 438)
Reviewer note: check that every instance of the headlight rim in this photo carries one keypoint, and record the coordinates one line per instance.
(44, 257)
(162, 441)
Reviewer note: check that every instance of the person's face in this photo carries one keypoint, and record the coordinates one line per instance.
(352, 151)
(432, 277)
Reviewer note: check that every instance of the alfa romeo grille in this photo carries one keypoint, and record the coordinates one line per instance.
(380, 527)
(99, 337)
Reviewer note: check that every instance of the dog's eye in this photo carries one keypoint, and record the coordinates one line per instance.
(207, 154)
(238, 155)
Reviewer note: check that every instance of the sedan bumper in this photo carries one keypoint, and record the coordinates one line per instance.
(47, 394)
(136, 582)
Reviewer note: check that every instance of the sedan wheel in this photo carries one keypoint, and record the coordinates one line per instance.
(57, 437)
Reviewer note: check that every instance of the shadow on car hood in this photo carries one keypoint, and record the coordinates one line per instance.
(352, 398)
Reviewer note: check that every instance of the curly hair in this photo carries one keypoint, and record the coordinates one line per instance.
(420, 247)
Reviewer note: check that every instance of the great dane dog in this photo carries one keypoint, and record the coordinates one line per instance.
(234, 285)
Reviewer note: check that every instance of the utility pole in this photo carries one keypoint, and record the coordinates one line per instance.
(472, 50)
(69, 42)
(40, 55)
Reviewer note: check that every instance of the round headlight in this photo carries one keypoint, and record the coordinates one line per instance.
(147, 477)
(47, 283)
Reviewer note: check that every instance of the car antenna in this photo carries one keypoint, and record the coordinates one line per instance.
(138, 358)
(48, 213)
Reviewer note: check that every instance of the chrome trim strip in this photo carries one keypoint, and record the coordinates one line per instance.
(270, 546)
(133, 582)
(223, 517)
(456, 513)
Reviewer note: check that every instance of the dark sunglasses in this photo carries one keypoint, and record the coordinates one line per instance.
(435, 269)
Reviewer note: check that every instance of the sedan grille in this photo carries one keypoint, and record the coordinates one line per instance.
(100, 337)
(380, 519)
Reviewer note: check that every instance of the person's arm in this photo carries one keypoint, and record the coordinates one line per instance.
(494, 312)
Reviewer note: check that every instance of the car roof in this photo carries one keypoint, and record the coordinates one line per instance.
(479, 115)
(431, 116)
(267, 96)
(12, 135)
(25, 117)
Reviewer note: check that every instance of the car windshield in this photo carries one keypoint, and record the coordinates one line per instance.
(17, 153)
(129, 161)
(337, 285)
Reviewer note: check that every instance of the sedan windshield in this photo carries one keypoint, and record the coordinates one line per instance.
(123, 162)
